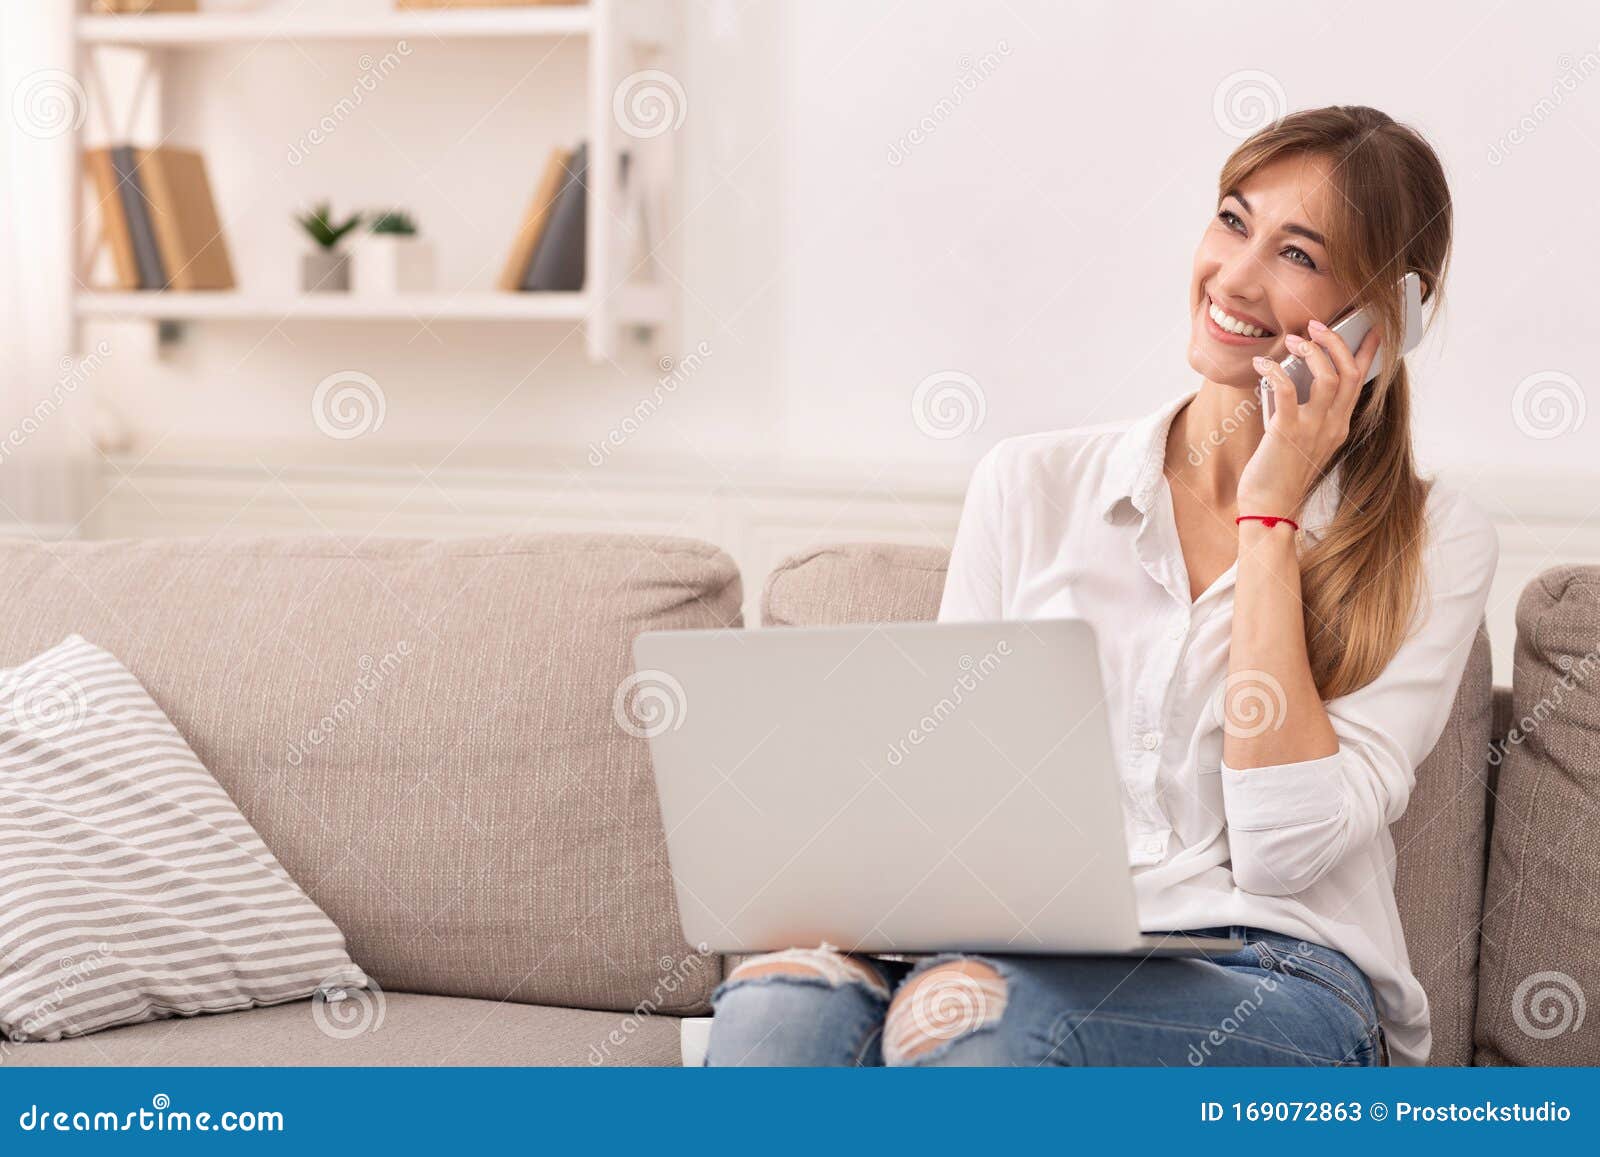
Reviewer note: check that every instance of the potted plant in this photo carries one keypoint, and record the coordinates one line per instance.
(392, 257)
(325, 269)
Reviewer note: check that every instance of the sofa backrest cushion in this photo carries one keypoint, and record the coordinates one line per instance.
(1439, 841)
(1541, 922)
(1440, 846)
(424, 734)
(855, 583)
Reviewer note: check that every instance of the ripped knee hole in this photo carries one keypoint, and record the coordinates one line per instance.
(946, 1002)
(835, 968)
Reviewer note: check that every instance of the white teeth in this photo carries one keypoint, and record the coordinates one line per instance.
(1234, 325)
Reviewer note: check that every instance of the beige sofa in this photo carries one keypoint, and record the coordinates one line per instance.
(425, 733)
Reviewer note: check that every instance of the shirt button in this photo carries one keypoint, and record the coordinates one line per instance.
(1155, 845)
(1151, 740)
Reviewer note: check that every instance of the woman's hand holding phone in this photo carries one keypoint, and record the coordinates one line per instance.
(1301, 439)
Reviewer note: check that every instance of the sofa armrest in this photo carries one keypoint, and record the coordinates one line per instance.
(695, 1034)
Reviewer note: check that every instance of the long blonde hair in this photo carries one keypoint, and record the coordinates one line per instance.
(1362, 583)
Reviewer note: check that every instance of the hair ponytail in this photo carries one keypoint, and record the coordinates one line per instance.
(1361, 583)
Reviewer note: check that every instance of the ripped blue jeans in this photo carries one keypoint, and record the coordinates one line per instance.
(1277, 1001)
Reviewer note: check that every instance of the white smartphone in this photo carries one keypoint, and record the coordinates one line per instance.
(1353, 328)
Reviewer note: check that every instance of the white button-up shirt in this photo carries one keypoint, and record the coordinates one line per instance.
(1079, 524)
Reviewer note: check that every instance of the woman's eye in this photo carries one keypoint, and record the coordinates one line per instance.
(1299, 256)
(1233, 221)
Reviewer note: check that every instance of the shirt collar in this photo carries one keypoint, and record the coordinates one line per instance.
(1135, 468)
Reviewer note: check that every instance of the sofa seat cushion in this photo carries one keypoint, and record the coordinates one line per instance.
(1439, 841)
(411, 1030)
(424, 732)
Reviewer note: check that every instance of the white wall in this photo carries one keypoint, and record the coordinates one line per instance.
(1039, 238)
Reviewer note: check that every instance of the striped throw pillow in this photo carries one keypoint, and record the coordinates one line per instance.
(131, 887)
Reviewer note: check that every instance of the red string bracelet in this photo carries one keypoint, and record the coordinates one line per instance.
(1268, 520)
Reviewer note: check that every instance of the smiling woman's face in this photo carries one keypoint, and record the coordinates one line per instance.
(1262, 271)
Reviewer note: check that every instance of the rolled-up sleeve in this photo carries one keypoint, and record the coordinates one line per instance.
(972, 584)
(1289, 825)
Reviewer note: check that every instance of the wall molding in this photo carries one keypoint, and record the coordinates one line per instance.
(758, 514)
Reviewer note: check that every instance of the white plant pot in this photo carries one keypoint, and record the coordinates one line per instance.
(387, 263)
(324, 272)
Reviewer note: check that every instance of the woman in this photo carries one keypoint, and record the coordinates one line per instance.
(1284, 610)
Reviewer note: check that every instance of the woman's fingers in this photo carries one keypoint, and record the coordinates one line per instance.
(1352, 373)
(1352, 367)
(1285, 397)
(1366, 353)
(1344, 361)
(1324, 371)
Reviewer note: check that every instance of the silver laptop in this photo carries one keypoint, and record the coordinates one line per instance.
(905, 787)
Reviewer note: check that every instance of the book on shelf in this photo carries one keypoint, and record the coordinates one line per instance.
(136, 211)
(134, 7)
(114, 232)
(193, 251)
(490, 3)
(534, 221)
(158, 218)
(558, 261)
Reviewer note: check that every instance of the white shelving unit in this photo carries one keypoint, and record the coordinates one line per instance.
(615, 32)
(183, 29)
(640, 305)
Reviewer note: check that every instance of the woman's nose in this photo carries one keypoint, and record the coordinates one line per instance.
(1241, 278)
